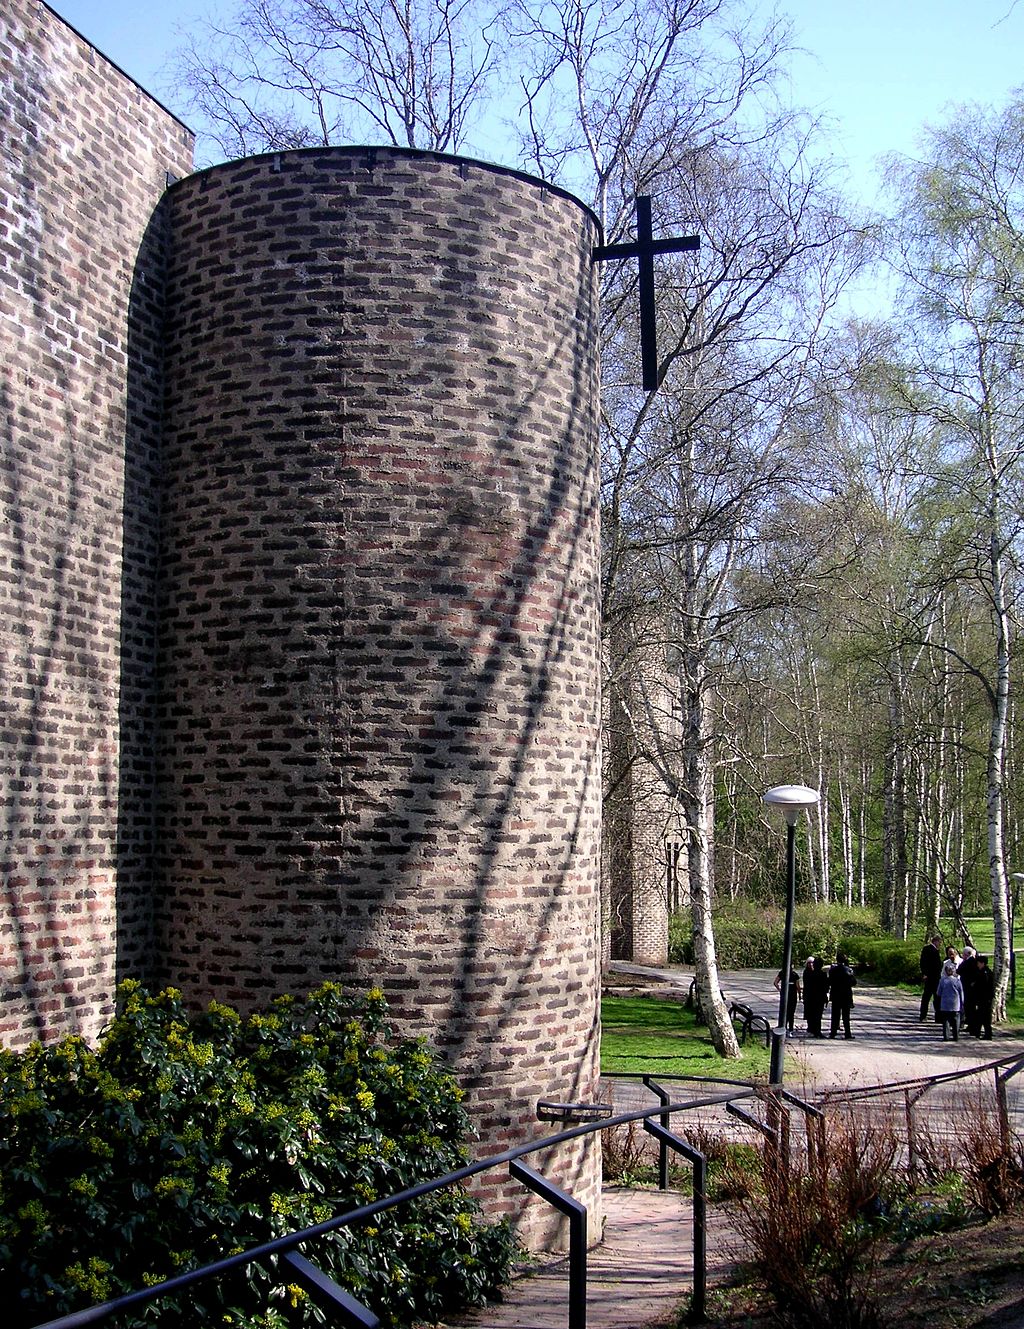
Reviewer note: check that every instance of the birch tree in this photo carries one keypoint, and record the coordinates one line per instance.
(695, 474)
(668, 98)
(961, 240)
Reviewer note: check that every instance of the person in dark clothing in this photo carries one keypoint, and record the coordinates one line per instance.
(792, 996)
(841, 982)
(815, 995)
(984, 990)
(931, 972)
(968, 972)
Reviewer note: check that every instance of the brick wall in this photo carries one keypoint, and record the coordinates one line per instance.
(379, 655)
(84, 155)
(640, 821)
(375, 754)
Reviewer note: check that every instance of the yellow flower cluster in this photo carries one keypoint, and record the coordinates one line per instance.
(270, 1023)
(176, 1036)
(35, 1213)
(173, 1186)
(90, 1278)
(199, 1054)
(227, 1013)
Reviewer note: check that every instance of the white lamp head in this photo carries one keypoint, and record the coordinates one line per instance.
(792, 799)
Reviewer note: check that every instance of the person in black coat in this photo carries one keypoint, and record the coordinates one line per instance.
(931, 972)
(841, 982)
(815, 995)
(984, 992)
(968, 973)
(792, 996)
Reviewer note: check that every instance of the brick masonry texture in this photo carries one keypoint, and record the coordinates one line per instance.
(84, 156)
(298, 580)
(378, 685)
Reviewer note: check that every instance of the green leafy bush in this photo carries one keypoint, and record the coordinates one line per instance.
(749, 935)
(889, 960)
(182, 1139)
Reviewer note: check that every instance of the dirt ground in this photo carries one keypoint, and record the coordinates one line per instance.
(972, 1278)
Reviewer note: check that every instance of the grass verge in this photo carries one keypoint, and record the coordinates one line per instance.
(660, 1037)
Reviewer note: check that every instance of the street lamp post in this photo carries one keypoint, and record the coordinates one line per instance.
(792, 799)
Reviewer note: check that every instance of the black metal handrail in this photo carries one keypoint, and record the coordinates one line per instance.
(858, 1092)
(351, 1314)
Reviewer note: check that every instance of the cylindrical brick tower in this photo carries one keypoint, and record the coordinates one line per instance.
(378, 659)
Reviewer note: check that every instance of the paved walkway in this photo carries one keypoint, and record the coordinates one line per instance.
(644, 1265)
(890, 1043)
(636, 1277)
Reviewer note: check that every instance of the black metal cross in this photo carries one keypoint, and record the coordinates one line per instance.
(645, 249)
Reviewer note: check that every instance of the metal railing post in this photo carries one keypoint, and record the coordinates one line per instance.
(664, 1097)
(778, 1055)
(698, 1302)
(814, 1129)
(327, 1294)
(1003, 1113)
(577, 1215)
(1002, 1078)
(910, 1100)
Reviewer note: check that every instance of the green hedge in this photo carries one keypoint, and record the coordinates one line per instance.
(182, 1139)
(750, 936)
(889, 960)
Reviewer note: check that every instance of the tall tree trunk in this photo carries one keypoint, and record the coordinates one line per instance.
(846, 837)
(894, 811)
(995, 766)
(697, 797)
(862, 833)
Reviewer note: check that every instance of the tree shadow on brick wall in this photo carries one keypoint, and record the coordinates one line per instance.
(377, 718)
(504, 941)
(57, 768)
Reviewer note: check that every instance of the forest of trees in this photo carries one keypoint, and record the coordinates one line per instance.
(812, 528)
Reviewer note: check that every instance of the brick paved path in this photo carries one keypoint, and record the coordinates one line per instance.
(636, 1277)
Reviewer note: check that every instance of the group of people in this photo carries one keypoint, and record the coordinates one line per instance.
(819, 985)
(959, 989)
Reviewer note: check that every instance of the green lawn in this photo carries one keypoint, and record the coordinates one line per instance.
(983, 933)
(649, 1035)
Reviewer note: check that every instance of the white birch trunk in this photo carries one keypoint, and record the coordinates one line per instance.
(996, 765)
(697, 797)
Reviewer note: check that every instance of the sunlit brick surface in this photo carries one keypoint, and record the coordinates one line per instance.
(84, 157)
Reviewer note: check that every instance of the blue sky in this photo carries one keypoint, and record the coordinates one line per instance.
(878, 69)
